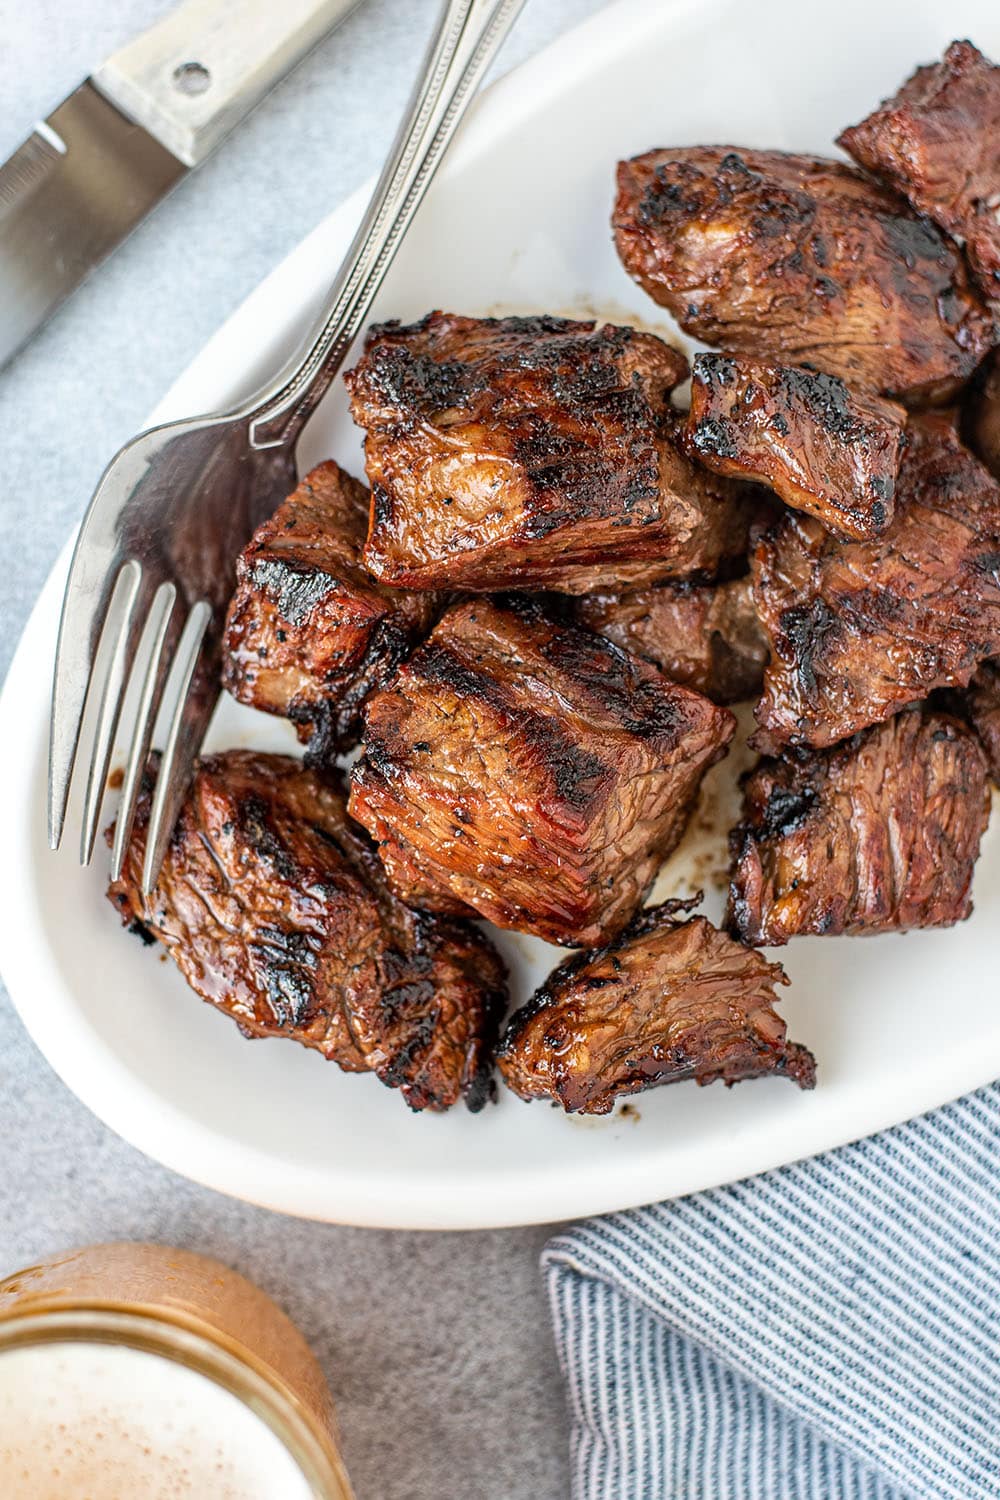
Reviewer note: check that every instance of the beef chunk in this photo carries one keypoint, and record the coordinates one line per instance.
(532, 453)
(803, 261)
(276, 910)
(982, 704)
(706, 637)
(531, 772)
(938, 143)
(667, 1000)
(309, 634)
(879, 834)
(823, 449)
(858, 630)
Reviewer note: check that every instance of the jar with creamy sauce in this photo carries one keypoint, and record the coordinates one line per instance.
(130, 1369)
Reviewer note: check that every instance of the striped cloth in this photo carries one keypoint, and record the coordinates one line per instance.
(828, 1331)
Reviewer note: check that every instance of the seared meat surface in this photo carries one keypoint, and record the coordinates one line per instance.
(878, 834)
(822, 448)
(309, 633)
(530, 772)
(938, 143)
(529, 630)
(858, 630)
(982, 704)
(667, 1000)
(532, 453)
(803, 261)
(276, 910)
(706, 637)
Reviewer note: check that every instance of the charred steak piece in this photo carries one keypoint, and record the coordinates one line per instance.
(532, 453)
(858, 630)
(530, 772)
(706, 637)
(938, 143)
(667, 1000)
(802, 260)
(822, 448)
(982, 705)
(879, 834)
(276, 910)
(309, 634)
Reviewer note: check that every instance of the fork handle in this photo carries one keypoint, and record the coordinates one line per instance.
(468, 36)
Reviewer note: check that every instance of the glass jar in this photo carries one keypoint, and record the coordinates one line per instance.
(193, 1312)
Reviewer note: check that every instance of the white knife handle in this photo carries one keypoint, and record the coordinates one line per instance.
(194, 75)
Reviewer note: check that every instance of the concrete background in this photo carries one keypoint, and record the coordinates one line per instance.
(437, 1347)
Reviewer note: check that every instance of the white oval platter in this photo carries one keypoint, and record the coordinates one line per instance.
(518, 221)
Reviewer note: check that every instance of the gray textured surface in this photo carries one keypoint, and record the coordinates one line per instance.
(437, 1346)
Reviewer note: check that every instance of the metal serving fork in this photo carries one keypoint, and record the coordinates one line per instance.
(152, 571)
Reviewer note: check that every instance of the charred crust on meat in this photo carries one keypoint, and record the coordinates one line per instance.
(282, 957)
(802, 260)
(935, 141)
(252, 825)
(714, 436)
(877, 834)
(309, 633)
(296, 593)
(554, 462)
(141, 931)
(859, 631)
(668, 999)
(276, 909)
(786, 810)
(557, 769)
(823, 448)
(804, 629)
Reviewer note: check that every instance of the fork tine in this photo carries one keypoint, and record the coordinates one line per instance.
(85, 611)
(151, 649)
(192, 710)
(112, 665)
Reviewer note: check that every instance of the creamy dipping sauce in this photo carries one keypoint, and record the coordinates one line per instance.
(97, 1421)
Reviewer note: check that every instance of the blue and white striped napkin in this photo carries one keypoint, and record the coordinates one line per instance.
(828, 1331)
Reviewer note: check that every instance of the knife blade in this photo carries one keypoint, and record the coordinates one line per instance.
(93, 170)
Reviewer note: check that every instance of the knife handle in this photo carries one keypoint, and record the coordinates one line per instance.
(194, 75)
